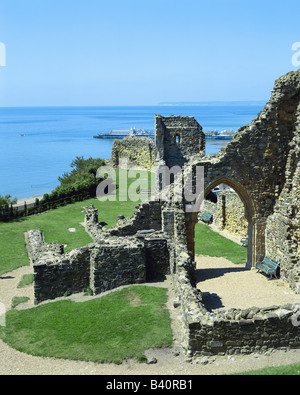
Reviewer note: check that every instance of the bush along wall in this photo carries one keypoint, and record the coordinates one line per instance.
(78, 185)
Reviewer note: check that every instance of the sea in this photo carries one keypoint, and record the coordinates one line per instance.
(38, 144)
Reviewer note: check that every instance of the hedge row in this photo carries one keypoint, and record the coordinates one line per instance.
(10, 213)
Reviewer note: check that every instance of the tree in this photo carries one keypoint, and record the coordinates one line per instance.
(6, 201)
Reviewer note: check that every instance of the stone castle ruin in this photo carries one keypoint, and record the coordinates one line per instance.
(261, 164)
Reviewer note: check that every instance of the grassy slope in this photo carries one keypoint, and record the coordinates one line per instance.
(55, 225)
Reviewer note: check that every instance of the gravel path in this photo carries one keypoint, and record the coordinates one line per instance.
(226, 285)
(222, 283)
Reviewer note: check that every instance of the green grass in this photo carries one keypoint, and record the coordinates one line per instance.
(289, 370)
(210, 243)
(27, 279)
(112, 328)
(55, 225)
(18, 300)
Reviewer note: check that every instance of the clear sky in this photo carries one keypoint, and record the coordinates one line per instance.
(143, 52)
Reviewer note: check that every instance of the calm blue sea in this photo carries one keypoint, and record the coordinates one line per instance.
(54, 136)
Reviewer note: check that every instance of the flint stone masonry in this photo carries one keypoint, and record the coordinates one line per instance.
(283, 227)
(178, 139)
(56, 276)
(109, 262)
(254, 162)
(234, 331)
(119, 262)
(147, 215)
(228, 213)
(91, 222)
(139, 151)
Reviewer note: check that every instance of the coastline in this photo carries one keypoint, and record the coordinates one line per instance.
(29, 202)
(46, 151)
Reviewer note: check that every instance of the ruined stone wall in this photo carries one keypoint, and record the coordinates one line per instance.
(139, 151)
(254, 162)
(262, 165)
(239, 331)
(109, 262)
(283, 227)
(116, 263)
(59, 275)
(147, 215)
(178, 139)
(231, 213)
(91, 222)
(228, 213)
(157, 256)
(233, 331)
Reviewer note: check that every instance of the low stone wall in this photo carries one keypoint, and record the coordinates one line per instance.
(91, 222)
(60, 275)
(233, 331)
(147, 215)
(34, 243)
(244, 331)
(109, 262)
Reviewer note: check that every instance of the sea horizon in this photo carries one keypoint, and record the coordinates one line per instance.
(39, 142)
(162, 104)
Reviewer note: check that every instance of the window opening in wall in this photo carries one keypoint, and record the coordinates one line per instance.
(177, 139)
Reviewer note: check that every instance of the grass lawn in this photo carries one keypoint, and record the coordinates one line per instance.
(210, 243)
(289, 370)
(112, 328)
(55, 225)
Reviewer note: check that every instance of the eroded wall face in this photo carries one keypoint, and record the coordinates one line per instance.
(138, 151)
(283, 227)
(178, 139)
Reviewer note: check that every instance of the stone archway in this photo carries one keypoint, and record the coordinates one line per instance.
(255, 250)
(253, 163)
(249, 207)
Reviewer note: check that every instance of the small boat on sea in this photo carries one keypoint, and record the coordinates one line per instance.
(121, 133)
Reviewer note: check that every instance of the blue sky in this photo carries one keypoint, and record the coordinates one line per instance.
(129, 52)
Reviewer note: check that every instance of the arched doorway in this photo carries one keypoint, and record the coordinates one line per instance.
(249, 214)
(248, 207)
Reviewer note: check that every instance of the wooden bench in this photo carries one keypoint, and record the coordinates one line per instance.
(268, 266)
(206, 217)
(244, 241)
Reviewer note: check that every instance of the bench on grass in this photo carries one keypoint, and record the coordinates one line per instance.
(244, 241)
(206, 217)
(268, 266)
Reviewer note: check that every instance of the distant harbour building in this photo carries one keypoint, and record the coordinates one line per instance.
(121, 133)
